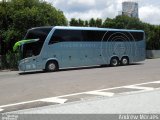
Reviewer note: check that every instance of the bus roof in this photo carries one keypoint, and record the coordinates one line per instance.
(93, 28)
(86, 28)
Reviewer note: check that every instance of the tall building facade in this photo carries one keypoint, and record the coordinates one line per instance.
(130, 9)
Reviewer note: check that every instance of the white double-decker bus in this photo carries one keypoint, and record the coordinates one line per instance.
(53, 48)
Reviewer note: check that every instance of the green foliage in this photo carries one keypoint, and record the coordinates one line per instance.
(153, 41)
(81, 22)
(98, 22)
(123, 22)
(16, 16)
(86, 23)
(92, 22)
(109, 23)
(74, 22)
(9, 61)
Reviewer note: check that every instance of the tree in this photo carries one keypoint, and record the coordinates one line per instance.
(80, 22)
(153, 41)
(109, 23)
(92, 22)
(16, 16)
(98, 22)
(86, 23)
(73, 22)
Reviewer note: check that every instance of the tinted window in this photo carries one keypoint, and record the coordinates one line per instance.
(138, 35)
(90, 35)
(66, 35)
(119, 36)
(93, 35)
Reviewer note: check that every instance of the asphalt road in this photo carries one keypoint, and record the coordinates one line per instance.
(15, 87)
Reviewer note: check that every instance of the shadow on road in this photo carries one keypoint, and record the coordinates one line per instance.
(71, 69)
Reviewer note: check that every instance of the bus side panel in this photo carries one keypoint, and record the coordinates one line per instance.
(118, 49)
(74, 54)
(134, 50)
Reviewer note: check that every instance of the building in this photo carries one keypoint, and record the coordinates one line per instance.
(130, 9)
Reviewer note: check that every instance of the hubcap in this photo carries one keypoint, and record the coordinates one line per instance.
(114, 62)
(124, 61)
(52, 66)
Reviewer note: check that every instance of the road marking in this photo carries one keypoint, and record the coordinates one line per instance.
(1, 110)
(20, 103)
(156, 82)
(54, 100)
(59, 99)
(128, 85)
(42, 100)
(146, 83)
(109, 94)
(139, 87)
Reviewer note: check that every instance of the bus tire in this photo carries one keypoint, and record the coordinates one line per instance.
(114, 61)
(51, 66)
(125, 61)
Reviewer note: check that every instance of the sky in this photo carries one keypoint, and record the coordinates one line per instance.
(149, 10)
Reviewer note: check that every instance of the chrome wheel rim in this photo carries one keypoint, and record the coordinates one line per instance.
(114, 62)
(124, 61)
(52, 66)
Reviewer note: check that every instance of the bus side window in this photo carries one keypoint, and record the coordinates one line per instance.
(54, 39)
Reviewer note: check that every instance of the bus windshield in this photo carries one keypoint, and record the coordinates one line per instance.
(34, 48)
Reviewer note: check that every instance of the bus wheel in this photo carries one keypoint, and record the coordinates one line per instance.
(114, 62)
(124, 61)
(51, 66)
